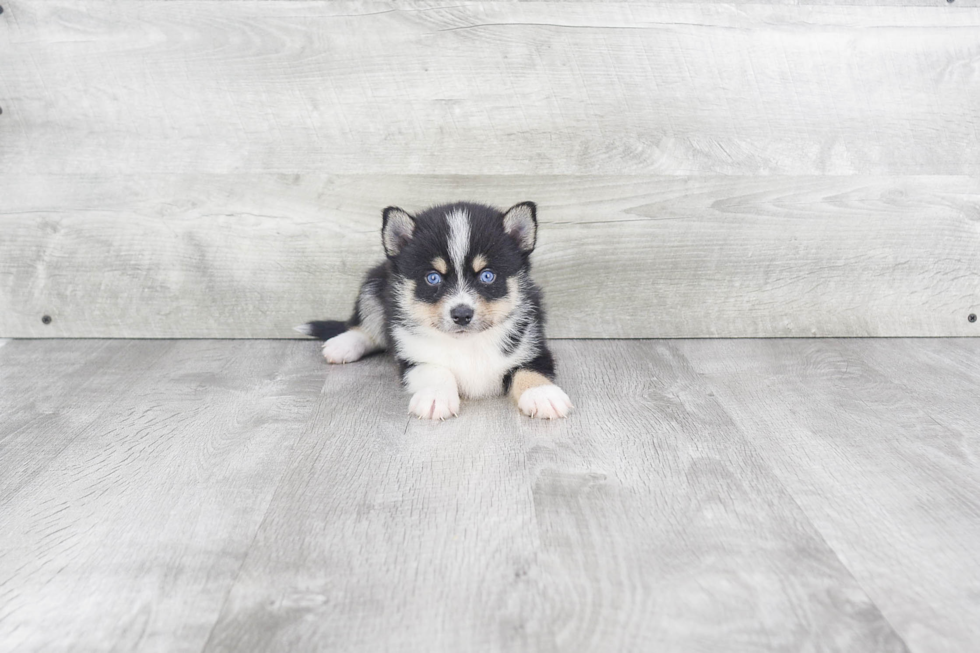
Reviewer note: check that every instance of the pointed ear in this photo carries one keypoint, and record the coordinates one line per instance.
(396, 230)
(521, 223)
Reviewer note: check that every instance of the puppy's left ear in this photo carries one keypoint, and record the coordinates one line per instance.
(397, 230)
(521, 223)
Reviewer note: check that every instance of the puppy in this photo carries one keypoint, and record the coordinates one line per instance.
(455, 304)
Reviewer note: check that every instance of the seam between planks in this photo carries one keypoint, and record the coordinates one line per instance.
(259, 526)
(818, 533)
(81, 430)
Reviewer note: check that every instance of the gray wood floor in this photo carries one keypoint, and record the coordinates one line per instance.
(711, 495)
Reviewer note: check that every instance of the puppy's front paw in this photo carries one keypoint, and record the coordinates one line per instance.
(545, 402)
(434, 403)
(348, 347)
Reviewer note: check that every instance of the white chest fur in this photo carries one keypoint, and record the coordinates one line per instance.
(476, 360)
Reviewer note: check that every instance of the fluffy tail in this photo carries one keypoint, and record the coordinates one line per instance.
(322, 330)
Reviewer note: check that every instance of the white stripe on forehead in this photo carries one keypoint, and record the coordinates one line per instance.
(459, 239)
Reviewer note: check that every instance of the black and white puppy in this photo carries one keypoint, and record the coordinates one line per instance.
(455, 304)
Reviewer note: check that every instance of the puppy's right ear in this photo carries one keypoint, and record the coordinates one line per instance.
(396, 230)
(521, 222)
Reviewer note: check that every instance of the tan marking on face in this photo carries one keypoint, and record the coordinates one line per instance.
(494, 312)
(422, 312)
(479, 262)
(525, 380)
(439, 265)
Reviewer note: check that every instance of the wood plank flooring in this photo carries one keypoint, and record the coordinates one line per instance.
(709, 495)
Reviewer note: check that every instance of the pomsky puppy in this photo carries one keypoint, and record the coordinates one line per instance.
(455, 304)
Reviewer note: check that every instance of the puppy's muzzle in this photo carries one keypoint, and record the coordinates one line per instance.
(462, 314)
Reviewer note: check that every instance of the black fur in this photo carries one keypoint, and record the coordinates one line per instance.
(405, 302)
(543, 364)
(487, 237)
(325, 329)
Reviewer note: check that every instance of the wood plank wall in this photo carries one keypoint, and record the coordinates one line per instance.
(217, 168)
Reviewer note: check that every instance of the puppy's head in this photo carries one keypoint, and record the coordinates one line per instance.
(459, 266)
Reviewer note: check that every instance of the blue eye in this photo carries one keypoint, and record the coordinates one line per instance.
(487, 276)
(433, 278)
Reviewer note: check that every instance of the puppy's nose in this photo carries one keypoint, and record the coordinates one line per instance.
(461, 314)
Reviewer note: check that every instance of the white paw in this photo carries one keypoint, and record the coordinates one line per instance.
(545, 402)
(348, 347)
(434, 403)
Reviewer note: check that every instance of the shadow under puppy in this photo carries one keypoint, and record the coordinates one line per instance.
(455, 304)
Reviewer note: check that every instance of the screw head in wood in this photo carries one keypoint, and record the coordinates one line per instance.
(971, 318)
(46, 319)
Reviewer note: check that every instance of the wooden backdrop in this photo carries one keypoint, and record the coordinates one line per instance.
(217, 168)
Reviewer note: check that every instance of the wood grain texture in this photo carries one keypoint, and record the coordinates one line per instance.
(876, 442)
(620, 256)
(488, 88)
(215, 169)
(393, 534)
(130, 538)
(643, 523)
(705, 495)
(662, 529)
(44, 411)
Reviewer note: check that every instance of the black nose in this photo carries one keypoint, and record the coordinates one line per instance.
(461, 314)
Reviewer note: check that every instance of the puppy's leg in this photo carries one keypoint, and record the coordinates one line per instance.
(532, 388)
(349, 346)
(434, 391)
(366, 329)
(537, 396)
